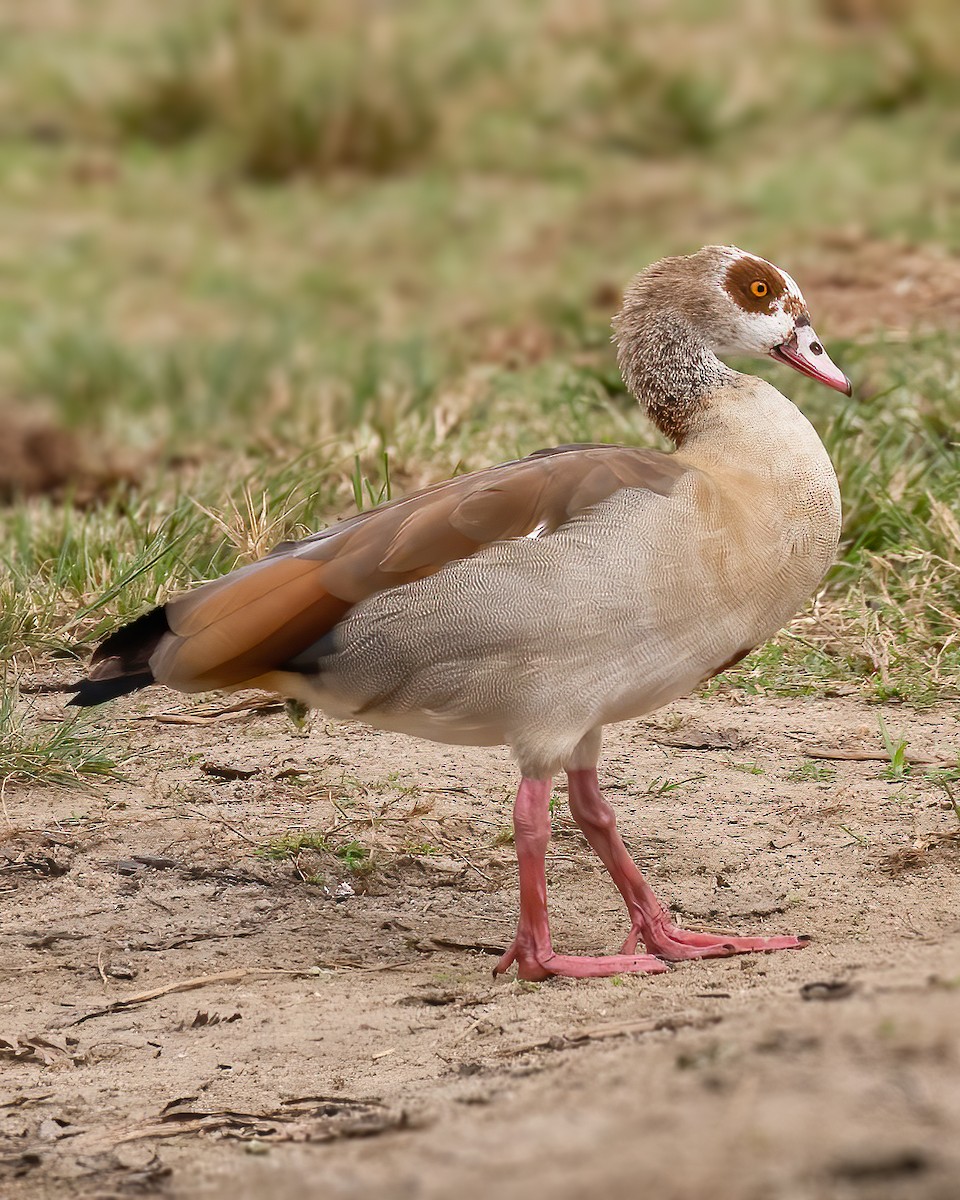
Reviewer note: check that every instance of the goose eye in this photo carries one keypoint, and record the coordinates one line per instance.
(759, 288)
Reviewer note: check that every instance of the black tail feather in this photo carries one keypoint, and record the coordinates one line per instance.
(121, 663)
(133, 645)
(95, 691)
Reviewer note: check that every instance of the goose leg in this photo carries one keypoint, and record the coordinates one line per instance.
(532, 949)
(650, 921)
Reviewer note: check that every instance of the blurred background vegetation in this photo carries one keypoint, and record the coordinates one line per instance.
(264, 260)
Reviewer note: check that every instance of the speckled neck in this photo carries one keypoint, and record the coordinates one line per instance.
(666, 365)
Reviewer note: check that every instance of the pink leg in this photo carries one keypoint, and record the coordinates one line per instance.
(650, 921)
(532, 949)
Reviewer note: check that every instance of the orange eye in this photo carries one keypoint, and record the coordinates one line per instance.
(759, 288)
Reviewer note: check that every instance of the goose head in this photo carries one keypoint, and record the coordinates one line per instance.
(683, 315)
(761, 310)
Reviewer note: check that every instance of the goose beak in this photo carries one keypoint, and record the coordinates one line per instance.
(805, 354)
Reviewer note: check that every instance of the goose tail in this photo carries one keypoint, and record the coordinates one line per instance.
(121, 663)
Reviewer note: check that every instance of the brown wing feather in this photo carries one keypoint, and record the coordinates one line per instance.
(263, 628)
(249, 623)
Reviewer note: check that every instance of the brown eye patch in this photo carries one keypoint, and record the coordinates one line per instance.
(753, 284)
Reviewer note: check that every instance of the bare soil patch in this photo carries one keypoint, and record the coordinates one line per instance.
(184, 1017)
(43, 457)
(858, 285)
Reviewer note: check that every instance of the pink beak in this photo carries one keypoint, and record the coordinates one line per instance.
(803, 352)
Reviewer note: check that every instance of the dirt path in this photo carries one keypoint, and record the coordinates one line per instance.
(356, 1045)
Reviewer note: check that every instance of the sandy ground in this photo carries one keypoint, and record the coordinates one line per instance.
(358, 1045)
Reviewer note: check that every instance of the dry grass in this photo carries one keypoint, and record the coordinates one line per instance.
(62, 753)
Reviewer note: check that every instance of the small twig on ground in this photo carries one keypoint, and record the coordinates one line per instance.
(225, 978)
(226, 824)
(182, 985)
(23, 1100)
(700, 740)
(453, 944)
(227, 771)
(45, 689)
(473, 866)
(599, 1033)
(177, 941)
(876, 756)
(207, 716)
(298, 1121)
(31, 969)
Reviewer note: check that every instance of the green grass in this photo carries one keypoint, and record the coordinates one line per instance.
(278, 111)
(354, 856)
(421, 849)
(59, 753)
(660, 785)
(812, 771)
(898, 767)
(954, 804)
(289, 845)
(748, 768)
(286, 260)
(889, 623)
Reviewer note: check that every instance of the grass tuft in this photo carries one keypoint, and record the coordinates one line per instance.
(62, 753)
(898, 767)
(354, 856)
(289, 845)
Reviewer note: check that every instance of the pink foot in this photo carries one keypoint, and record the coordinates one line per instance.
(649, 921)
(532, 949)
(662, 937)
(536, 965)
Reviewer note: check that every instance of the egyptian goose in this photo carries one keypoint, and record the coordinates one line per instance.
(532, 603)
